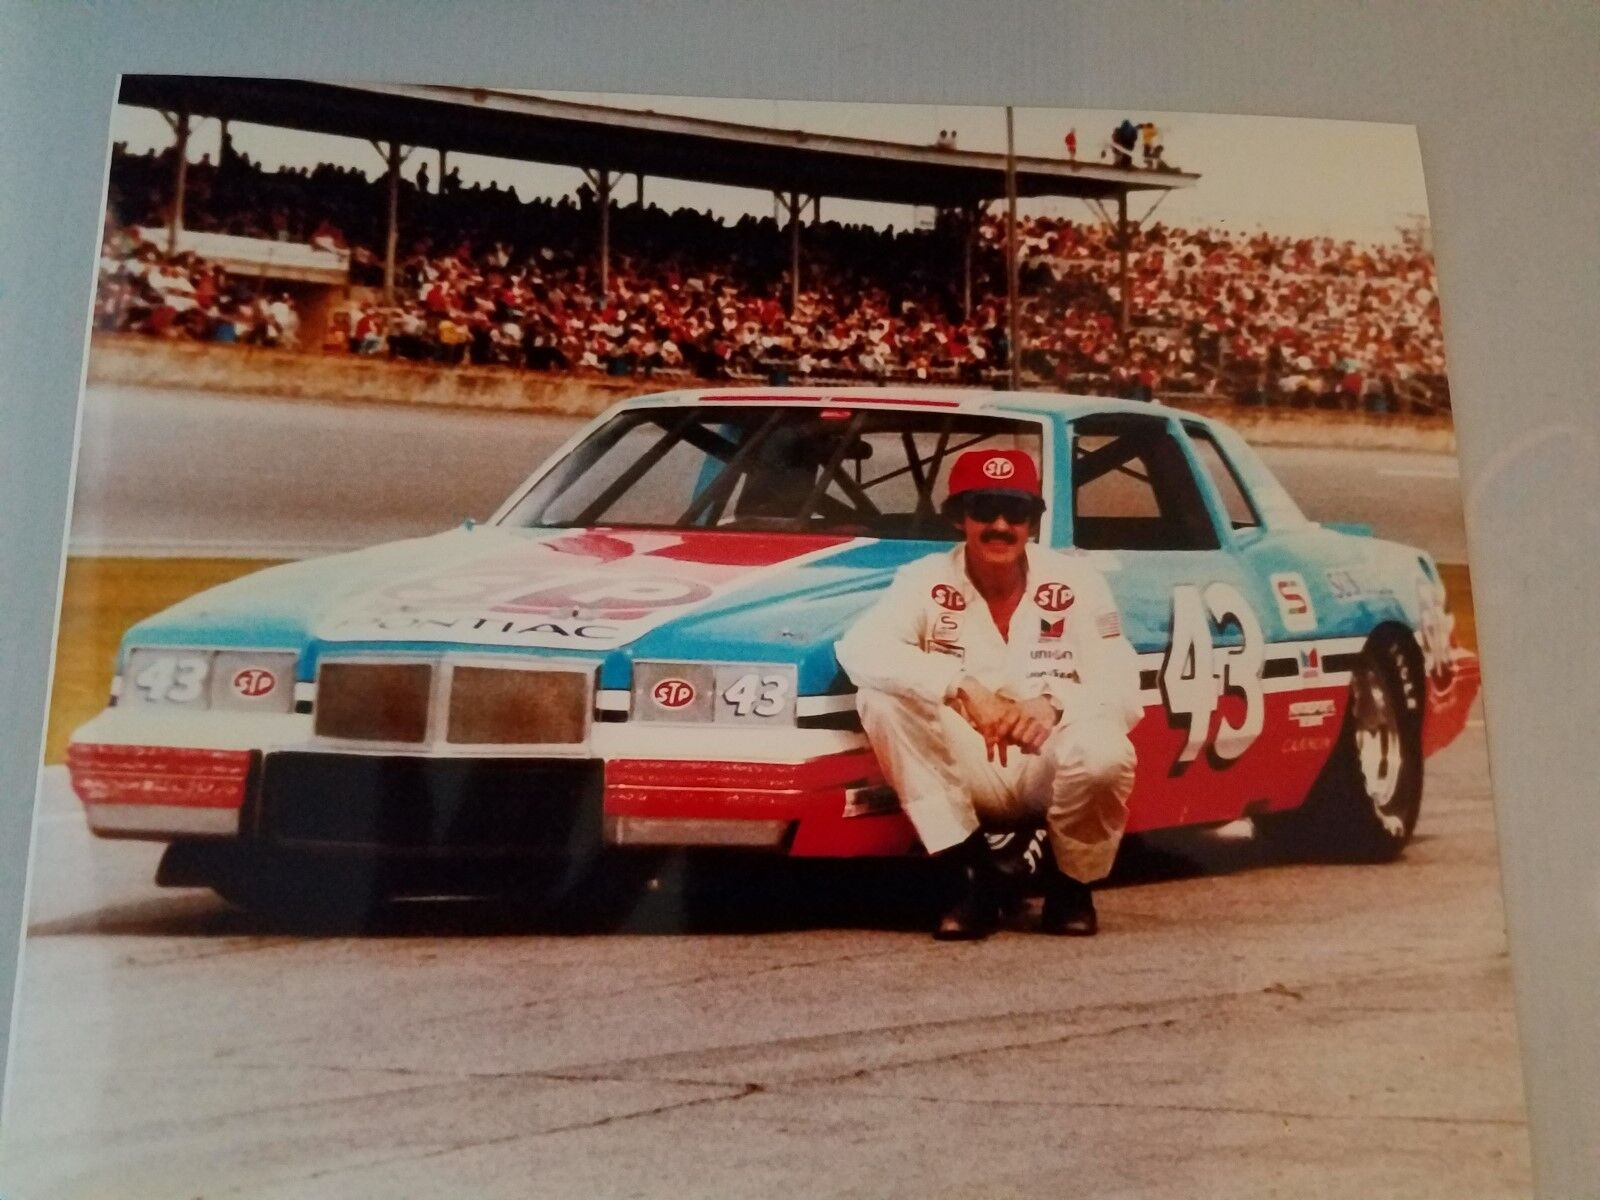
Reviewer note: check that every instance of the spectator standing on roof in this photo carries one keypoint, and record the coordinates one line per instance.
(1123, 139)
(1148, 133)
(1072, 144)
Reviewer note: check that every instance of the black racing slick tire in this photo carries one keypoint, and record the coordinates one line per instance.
(1364, 806)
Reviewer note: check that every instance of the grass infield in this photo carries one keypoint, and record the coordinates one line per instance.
(103, 596)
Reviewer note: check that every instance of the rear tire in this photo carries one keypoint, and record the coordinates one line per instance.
(1364, 806)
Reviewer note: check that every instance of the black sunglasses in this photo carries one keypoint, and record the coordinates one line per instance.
(1017, 510)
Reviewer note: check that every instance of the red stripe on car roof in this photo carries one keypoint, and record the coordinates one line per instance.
(737, 549)
(901, 401)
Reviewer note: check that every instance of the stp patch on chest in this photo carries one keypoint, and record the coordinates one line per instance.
(1053, 597)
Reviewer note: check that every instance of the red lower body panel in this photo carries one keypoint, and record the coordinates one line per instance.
(1275, 772)
(811, 794)
(164, 776)
(1298, 731)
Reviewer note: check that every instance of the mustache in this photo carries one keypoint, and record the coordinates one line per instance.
(994, 535)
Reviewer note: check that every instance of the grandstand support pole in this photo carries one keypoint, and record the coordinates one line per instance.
(602, 180)
(639, 192)
(1013, 324)
(794, 204)
(1123, 240)
(391, 238)
(969, 236)
(444, 162)
(180, 176)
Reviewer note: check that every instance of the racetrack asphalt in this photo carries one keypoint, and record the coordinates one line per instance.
(1241, 1029)
(229, 476)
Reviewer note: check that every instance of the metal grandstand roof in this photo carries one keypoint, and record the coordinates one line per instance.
(530, 128)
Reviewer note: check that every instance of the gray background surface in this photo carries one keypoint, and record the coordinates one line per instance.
(1505, 98)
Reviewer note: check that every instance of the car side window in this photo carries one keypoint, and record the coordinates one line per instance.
(1241, 512)
(1133, 489)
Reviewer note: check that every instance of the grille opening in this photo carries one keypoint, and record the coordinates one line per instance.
(496, 706)
(373, 702)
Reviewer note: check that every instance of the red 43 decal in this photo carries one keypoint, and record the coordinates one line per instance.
(1196, 673)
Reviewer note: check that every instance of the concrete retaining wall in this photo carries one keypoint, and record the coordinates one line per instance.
(137, 361)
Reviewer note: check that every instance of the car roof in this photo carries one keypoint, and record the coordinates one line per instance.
(921, 398)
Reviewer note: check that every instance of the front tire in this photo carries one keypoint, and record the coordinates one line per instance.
(1364, 806)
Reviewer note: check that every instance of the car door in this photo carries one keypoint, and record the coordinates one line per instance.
(1142, 507)
(1305, 671)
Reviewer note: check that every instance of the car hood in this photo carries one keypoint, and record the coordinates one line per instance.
(645, 593)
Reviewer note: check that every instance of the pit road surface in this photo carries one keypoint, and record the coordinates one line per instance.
(1240, 1029)
(190, 473)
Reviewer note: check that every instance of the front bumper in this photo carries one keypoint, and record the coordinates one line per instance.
(636, 787)
(142, 791)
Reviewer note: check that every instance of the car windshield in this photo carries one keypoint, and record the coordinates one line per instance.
(775, 468)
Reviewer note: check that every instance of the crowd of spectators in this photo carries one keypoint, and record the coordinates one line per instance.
(486, 277)
(183, 296)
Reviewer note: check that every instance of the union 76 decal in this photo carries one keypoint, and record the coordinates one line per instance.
(1196, 673)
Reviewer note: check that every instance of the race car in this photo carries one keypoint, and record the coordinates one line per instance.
(637, 649)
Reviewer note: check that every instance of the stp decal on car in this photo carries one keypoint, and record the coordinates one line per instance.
(1294, 602)
(605, 588)
(673, 693)
(254, 682)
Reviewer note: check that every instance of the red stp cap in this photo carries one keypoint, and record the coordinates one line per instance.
(995, 471)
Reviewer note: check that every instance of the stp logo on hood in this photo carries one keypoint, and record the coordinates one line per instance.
(999, 468)
(1053, 597)
(254, 682)
(673, 693)
(948, 597)
(619, 598)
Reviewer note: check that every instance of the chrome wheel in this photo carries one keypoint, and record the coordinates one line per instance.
(1379, 744)
(1365, 802)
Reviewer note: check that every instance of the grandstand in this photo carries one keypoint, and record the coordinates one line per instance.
(483, 276)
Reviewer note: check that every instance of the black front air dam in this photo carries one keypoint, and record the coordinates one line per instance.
(430, 806)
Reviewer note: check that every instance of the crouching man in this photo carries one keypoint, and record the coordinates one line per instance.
(996, 689)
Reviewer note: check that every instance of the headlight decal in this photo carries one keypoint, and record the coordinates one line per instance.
(207, 679)
(169, 677)
(749, 694)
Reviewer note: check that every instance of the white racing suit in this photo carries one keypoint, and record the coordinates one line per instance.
(930, 629)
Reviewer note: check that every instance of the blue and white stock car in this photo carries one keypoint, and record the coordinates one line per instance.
(637, 649)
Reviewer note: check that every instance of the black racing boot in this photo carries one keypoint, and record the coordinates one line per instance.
(1020, 856)
(975, 913)
(1068, 905)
